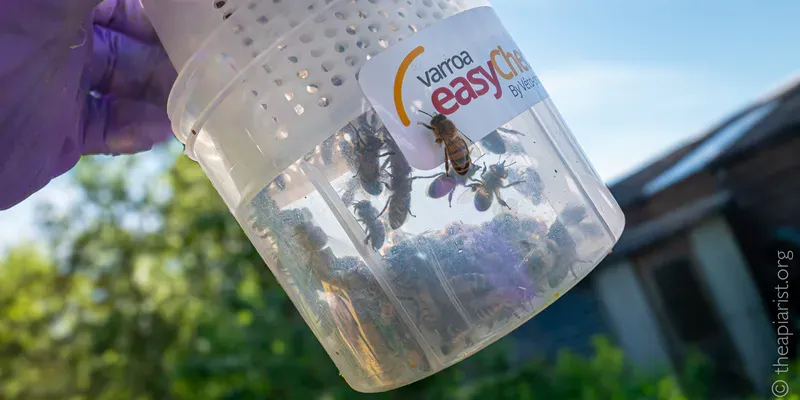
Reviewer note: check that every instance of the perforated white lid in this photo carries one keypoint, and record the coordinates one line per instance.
(275, 78)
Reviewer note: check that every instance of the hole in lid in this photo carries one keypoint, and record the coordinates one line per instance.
(252, 6)
(413, 28)
(340, 47)
(374, 27)
(383, 42)
(237, 29)
(362, 15)
(312, 88)
(362, 44)
(247, 41)
(351, 61)
(306, 38)
(264, 106)
(219, 4)
(393, 27)
(317, 52)
(323, 102)
(289, 96)
(293, 59)
(278, 82)
(402, 13)
(351, 29)
(427, 3)
(262, 19)
(302, 74)
(383, 14)
(337, 80)
(340, 15)
(421, 13)
(281, 134)
(275, 119)
(442, 5)
(327, 66)
(267, 68)
(298, 109)
(227, 15)
(255, 93)
(330, 33)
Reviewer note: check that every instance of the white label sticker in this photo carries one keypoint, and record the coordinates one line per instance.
(465, 67)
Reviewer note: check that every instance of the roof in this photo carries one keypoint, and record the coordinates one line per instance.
(667, 225)
(744, 131)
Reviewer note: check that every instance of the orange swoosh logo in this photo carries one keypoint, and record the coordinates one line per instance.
(398, 84)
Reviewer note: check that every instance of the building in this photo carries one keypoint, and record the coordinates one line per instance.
(697, 264)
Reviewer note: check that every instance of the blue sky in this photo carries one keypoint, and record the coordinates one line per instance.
(632, 78)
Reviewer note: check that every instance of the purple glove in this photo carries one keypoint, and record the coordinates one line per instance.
(76, 79)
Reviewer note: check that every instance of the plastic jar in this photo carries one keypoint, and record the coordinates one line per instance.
(399, 269)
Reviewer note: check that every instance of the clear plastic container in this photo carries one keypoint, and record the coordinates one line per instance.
(267, 102)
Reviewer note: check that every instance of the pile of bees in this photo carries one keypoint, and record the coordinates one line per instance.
(493, 270)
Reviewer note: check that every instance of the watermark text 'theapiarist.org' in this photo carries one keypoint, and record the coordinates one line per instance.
(782, 323)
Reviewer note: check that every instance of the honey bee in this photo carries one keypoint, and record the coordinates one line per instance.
(445, 185)
(368, 215)
(456, 150)
(488, 187)
(486, 301)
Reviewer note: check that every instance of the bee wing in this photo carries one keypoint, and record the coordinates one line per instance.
(498, 209)
(441, 186)
(474, 151)
(468, 195)
(493, 143)
(510, 131)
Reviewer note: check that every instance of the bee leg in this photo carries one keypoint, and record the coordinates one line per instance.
(513, 184)
(500, 198)
(426, 177)
(410, 213)
(386, 206)
(446, 163)
(425, 125)
(385, 163)
(450, 198)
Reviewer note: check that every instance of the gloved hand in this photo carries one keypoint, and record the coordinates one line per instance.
(76, 78)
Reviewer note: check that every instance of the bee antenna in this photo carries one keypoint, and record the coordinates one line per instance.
(422, 111)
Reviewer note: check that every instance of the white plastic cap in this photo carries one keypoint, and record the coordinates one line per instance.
(183, 25)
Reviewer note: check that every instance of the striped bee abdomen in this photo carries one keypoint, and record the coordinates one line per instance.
(458, 153)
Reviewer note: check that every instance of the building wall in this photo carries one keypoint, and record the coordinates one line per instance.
(735, 296)
(630, 316)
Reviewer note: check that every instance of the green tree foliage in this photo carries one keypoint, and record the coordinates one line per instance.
(158, 294)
